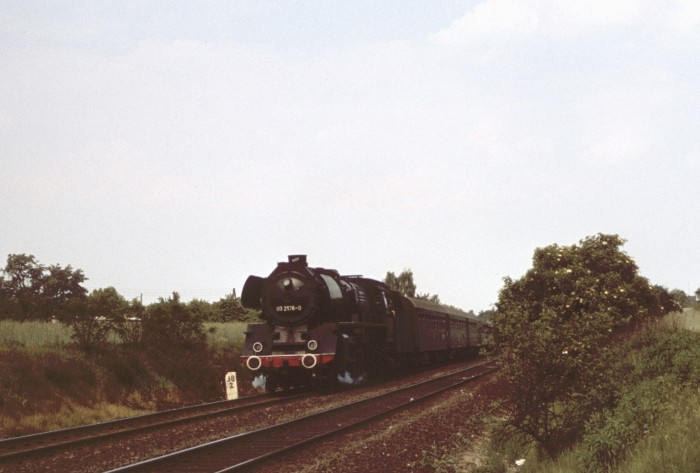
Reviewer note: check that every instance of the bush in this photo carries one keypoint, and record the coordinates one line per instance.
(169, 326)
(611, 433)
(552, 327)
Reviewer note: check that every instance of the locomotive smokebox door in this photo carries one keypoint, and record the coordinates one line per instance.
(252, 292)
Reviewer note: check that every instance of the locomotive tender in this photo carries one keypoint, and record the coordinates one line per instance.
(320, 326)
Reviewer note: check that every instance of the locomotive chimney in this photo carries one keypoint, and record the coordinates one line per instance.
(298, 259)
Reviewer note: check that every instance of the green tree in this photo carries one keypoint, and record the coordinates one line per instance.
(107, 303)
(58, 287)
(551, 325)
(680, 297)
(202, 310)
(29, 290)
(402, 283)
(169, 324)
(229, 309)
(92, 321)
(21, 286)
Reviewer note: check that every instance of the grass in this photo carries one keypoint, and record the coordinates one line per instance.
(671, 446)
(34, 334)
(47, 334)
(225, 333)
(688, 319)
(47, 383)
(665, 396)
(69, 415)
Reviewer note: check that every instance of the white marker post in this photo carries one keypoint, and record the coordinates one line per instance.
(231, 386)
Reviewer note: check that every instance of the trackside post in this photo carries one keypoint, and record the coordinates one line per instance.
(231, 386)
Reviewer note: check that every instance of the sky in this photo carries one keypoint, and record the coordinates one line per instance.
(166, 146)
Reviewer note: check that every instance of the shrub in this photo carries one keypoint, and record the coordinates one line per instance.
(552, 326)
(609, 434)
(169, 325)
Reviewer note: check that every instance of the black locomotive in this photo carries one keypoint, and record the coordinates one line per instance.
(320, 326)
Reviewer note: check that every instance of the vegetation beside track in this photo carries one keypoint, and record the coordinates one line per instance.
(654, 424)
(590, 363)
(48, 382)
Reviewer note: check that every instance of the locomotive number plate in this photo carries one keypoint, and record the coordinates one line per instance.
(288, 308)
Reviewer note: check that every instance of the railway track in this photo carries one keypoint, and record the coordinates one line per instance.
(239, 452)
(29, 446)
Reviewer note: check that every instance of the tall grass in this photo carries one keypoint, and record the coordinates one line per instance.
(220, 334)
(34, 334)
(672, 444)
(47, 334)
(669, 446)
(688, 319)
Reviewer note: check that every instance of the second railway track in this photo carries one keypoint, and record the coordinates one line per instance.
(241, 451)
(29, 446)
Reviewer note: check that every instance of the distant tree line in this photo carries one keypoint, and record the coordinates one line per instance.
(30, 291)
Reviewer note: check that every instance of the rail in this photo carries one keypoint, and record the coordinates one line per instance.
(244, 450)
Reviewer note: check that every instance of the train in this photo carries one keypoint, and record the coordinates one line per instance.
(319, 327)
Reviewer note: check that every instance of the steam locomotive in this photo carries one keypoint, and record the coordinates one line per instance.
(320, 327)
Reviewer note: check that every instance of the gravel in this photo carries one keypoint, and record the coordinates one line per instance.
(401, 442)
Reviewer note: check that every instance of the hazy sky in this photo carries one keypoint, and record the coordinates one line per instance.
(180, 146)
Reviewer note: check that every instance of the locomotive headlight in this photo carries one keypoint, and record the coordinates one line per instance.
(309, 361)
(257, 347)
(312, 345)
(254, 363)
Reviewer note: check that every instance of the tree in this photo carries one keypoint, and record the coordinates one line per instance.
(229, 308)
(59, 286)
(202, 310)
(107, 303)
(169, 324)
(21, 286)
(29, 290)
(402, 283)
(102, 311)
(680, 297)
(551, 325)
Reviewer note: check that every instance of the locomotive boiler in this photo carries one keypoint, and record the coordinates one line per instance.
(319, 327)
